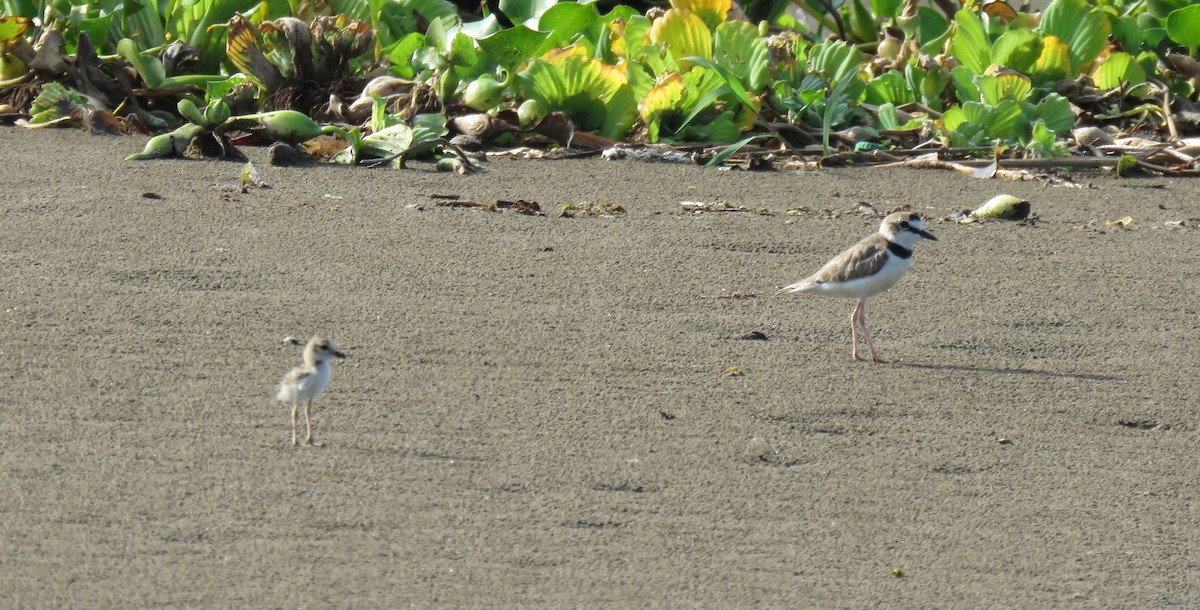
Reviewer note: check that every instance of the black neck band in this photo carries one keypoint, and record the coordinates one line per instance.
(899, 250)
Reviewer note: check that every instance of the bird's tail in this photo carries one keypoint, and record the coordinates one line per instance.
(797, 287)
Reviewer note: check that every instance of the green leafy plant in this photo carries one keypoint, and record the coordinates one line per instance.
(12, 32)
(594, 95)
(979, 73)
(1000, 108)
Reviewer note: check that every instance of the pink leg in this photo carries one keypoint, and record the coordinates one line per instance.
(862, 318)
(294, 406)
(308, 422)
(854, 330)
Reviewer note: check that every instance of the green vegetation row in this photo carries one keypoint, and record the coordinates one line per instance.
(387, 75)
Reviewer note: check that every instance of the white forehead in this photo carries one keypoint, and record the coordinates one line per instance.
(894, 220)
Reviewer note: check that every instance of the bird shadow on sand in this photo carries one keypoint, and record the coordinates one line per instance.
(1007, 371)
(402, 452)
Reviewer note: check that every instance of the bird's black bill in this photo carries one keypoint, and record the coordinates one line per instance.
(339, 354)
(924, 233)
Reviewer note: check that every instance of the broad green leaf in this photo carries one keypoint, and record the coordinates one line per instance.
(201, 23)
(1010, 85)
(1117, 69)
(426, 127)
(975, 112)
(97, 29)
(393, 140)
(390, 140)
(142, 22)
(11, 28)
(712, 12)
(862, 24)
(684, 35)
(636, 31)
(738, 48)
(721, 129)
(834, 59)
(217, 89)
(1055, 111)
(886, 9)
(1128, 33)
(931, 27)
(462, 50)
(886, 118)
(1006, 120)
(889, 88)
(1162, 8)
(1152, 30)
(664, 97)
(510, 48)
(620, 114)
(1083, 30)
(567, 80)
(481, 29)
(701, 88)
(1183, 26)
(953, 118)
(525, 12)
(735, 86)
(1017, 49)
(380, 119)
(965, 88)
(927, 85)
(1055, 61)
(437, 36)
(971, 45)
(400, 54)
(1045, 142)
(428, 60)
(640, 80)
(147, 66)
(567, 19)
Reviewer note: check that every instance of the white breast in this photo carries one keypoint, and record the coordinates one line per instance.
(305, 388)
(312, 385)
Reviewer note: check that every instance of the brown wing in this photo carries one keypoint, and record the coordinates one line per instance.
(296, 374)
(865, 258)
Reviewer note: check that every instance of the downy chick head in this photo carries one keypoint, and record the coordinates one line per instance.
(320, 349)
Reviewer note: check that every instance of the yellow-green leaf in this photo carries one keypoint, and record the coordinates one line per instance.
(1055, 61)
(684, 33)
(663, 97)
(11, 28)
(1010, 85)
(713, 12)
(971, 45)
(1118, 68)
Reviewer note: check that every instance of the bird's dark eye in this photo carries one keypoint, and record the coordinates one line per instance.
(904, 224)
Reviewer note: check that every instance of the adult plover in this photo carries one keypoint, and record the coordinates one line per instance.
(307, 381)
(868, 268)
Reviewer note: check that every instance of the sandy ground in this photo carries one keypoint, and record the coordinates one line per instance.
(535, 411)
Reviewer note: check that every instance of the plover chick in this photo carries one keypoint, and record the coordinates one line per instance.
(868, 268)
(307, 381)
